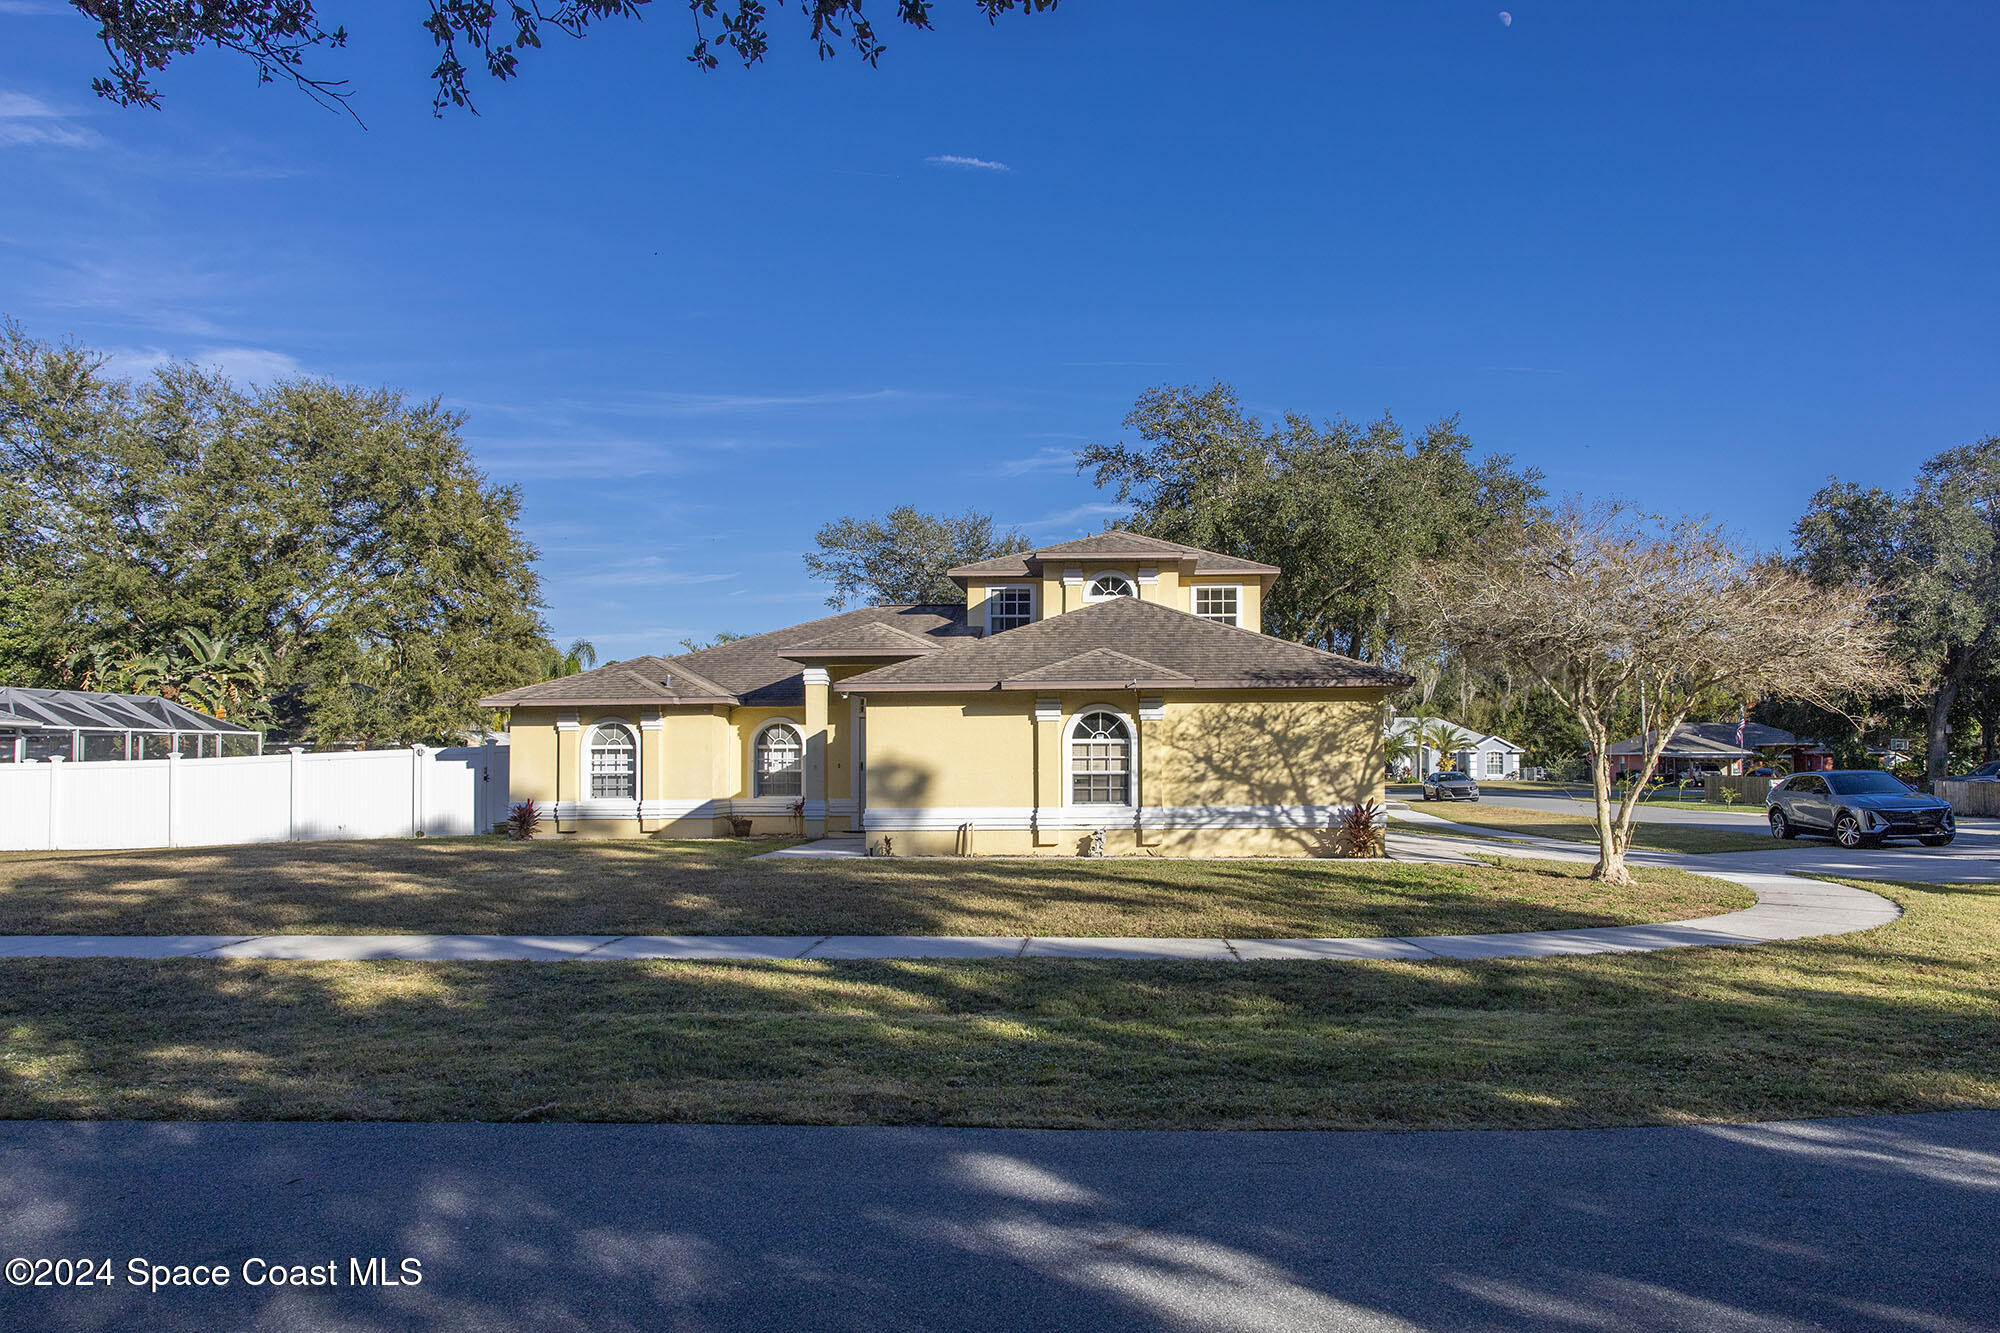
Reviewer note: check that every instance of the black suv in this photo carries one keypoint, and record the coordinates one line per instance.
(1859, 807)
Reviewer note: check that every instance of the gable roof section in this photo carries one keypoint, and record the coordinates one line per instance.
(751, 671)
(1113, 545)
(1466, 736)
(639, 681)
(1094, 667)
(869, 639)
(1119, 643)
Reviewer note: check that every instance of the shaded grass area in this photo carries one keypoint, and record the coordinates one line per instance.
(1902, 1018)
(490, 886)
(1576, 828)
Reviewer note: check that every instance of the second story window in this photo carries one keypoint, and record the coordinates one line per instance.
(1009, 608)
(1106, 586)
(1218, 604)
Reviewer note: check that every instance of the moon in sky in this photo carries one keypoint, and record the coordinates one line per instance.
(1506, 19)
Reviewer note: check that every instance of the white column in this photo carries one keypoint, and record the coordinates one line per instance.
(55, 800)
(296, 816)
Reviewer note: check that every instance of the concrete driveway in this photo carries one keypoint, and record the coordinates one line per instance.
(1878, 1223)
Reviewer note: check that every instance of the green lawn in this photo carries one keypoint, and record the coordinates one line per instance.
(488, 886)
(1902, 1018)
(1576, 828)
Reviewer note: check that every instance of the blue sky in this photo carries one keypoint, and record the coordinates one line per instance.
(1700, 255)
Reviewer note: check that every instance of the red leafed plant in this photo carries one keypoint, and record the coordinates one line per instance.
(1362, 824)
(523, 821)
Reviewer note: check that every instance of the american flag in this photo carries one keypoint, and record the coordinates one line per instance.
(1742, 721)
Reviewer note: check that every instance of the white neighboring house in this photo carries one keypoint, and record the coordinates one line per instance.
(1483, 757)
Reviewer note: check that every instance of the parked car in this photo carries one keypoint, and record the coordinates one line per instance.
(1450, 785)
(1986, 772)
(1762, 773)
(1858, 808)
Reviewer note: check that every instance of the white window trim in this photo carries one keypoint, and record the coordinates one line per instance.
(1194, 591)
(590, 747)
(1131, 759)
(987, 604)
(757, 740)
(1091, 582)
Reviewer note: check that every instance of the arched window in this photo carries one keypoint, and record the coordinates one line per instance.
(611, 757)
(780, 761)
(1107, 585)
(1100, 760)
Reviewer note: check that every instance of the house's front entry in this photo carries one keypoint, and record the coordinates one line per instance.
(858, 760)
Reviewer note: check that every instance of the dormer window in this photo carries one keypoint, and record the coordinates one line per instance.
(1217, 603)
(1009, 608)
(1108, 585)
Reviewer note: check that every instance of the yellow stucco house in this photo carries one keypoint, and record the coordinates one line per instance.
(1117, 683)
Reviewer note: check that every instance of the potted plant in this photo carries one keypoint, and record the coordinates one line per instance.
(740, 825)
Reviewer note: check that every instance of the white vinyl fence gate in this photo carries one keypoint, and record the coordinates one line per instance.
(285, 797)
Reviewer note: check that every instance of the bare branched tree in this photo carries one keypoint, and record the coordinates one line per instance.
(1607, 607)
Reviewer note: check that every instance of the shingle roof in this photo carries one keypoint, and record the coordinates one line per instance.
(870, 639)
(744, 671)
(1099, 664)
(1711, 740)
(62, 710)
(1114, 643)
(1115, 544)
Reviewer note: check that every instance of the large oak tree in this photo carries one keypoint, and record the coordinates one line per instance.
(1933, 555)
(1344, 509)
(181, 532)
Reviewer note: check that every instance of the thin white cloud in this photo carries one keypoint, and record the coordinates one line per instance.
(957, 163)
(253, 365)
(244, 365)
(27, 121)
(1072, 517)
(32, 8)
(645, 572)
(1042, 460)
(708, 404)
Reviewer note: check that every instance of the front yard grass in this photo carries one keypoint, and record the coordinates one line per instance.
(1902, 1018)
(1576, 828)
(487, 886)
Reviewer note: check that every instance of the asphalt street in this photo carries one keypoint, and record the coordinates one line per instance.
(1879, 1223)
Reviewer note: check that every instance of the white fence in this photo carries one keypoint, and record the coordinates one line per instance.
(284, 797)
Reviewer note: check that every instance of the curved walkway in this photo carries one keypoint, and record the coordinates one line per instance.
(1788, 908)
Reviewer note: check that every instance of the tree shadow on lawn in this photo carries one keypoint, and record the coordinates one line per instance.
(1894, 1019)
(487, 886)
